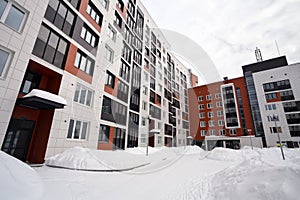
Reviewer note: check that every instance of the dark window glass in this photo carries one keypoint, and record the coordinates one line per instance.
(50, 47)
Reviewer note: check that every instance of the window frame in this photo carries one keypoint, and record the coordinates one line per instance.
(81, 88)
(80, 131)
(8, 62)
(6, 11)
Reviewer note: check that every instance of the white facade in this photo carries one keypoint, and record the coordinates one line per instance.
(18, 41)
(270, 108)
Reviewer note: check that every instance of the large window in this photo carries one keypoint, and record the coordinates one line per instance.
(5, 57)
(60, 15)
(84, 63)
(122, 91)
(78, 130)
(12, 15)
(104, 134)
(83, 95)
(89, 36)
(51, 47)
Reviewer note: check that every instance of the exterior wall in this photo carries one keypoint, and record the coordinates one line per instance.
(290, 72)
(214, 89)
(56, 131)
(20, 44)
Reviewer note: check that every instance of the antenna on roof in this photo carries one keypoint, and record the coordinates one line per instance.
(258, 55)
(277, 48)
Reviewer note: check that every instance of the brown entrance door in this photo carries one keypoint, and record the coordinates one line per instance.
(18, 137)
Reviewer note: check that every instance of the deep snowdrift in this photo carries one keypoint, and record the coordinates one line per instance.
(18, 180)
(254, 174)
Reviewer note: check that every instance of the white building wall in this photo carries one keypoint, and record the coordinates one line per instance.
(291, 72)
(19, 44)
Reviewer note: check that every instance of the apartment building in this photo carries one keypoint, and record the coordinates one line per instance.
(277, 93)
(223, 115)
(91, 73)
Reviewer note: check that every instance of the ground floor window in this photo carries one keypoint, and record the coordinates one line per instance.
(78, 130)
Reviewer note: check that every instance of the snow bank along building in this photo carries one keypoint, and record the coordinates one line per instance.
(90, 73)
(223, 115)
(274, 92)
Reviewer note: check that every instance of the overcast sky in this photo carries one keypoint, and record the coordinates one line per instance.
(230, 30)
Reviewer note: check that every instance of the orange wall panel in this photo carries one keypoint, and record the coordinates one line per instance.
(82, 10)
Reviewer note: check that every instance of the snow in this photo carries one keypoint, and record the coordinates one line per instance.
(85, 159)
(18, 180)
(46, 95)
(170, 173)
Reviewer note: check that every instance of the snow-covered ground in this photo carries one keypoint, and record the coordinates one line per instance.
(167, 173)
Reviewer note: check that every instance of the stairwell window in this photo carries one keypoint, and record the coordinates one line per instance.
(78, 130)
(109, 53)
(12, 15)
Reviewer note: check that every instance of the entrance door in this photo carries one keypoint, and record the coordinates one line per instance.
(18, 137)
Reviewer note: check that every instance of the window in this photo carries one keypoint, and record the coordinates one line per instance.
(218, 95)
(61, 16)
(111, 32)
(270, 107)
(202, 124)
(144, 105)
(276, 129)
(143, 122)
(118, 20)
(31, 81)
(110, 79)
(143, 138)
(211, 123)
(83, 95)
(104, 134)
(78, 130)
(51, 47)
(200, 98)
(94, 13)
(203, 132)
(201, 107)
(145, 76)
(122, 91)
(209, 105)
(145, 90)
(232, 131)
(160, 87)
(5, 57)
(219, 104)
(12, 15)
(208, 97)
(202, 115)
(109, 53)
(210, 114)
(159, 140)
(212, 132)
(220, 113)
(222, 132)
(221, 123)
(104, 3)
(84, 63)
(89, 36)
(271, 96)
(125, 71)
